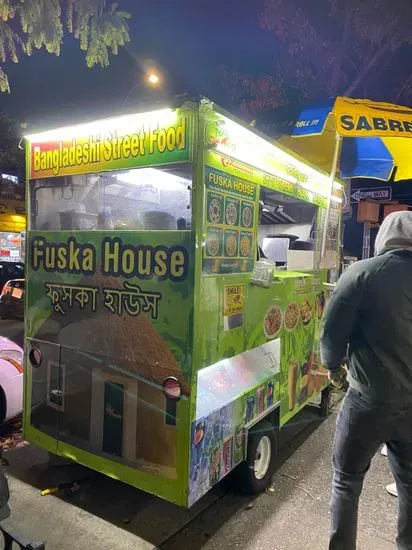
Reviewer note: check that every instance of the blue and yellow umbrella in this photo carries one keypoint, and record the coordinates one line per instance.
(371, 134)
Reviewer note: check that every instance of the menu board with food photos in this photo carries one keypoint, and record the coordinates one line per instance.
(229, 223)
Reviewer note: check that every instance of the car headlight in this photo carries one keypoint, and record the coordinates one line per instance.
(14, 357)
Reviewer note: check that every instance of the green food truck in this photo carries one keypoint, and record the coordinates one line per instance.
(178, 265)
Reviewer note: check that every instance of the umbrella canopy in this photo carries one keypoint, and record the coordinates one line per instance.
(373, 136)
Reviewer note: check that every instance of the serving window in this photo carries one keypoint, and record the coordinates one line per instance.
(287, 230)
(143, 199)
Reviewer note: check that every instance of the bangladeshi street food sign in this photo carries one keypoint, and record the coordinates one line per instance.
(161, 137)
(229, 223)
(109, 303)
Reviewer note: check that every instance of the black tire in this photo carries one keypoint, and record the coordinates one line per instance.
(5, 312)
(3, 405)
(244, 476)
(325, 402)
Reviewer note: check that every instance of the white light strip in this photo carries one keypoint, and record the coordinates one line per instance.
(252, 151)
(123, 124)
(229, 152)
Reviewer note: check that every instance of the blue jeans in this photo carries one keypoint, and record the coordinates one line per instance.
(362, 427)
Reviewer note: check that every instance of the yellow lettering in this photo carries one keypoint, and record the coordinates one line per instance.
(50, 258)
(126, 147)
(160, 268)
(177, 262)
(55, 162)
(88, 260)
(127, 262)
(37, 253)
(72, 154)
(171, 139)
(119, 151)
(36, 158)
(134, 145)
(143, 262)
(111, 258)
(79, 154)
(86, 153)
(161, 141)
(65, 159)
(61, 258)
(152, 141)
(181, 135)
(107, 149)
(142, 148)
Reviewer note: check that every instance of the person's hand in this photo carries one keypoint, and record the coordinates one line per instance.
(338, 377)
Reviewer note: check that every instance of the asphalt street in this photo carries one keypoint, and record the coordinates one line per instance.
(106, 514)
(14, 330)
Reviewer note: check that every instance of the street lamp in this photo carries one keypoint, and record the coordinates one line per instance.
(151, 79)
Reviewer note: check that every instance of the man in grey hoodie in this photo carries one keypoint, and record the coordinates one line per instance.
(369, 320)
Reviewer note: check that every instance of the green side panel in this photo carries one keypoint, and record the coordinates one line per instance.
(255, 350)
(246, 172)
(286, 310)
(111, 314)
(133, 141)
(230, 213)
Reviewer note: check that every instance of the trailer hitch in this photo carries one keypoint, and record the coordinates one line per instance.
(12, 538)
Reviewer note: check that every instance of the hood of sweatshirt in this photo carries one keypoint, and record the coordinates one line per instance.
(395, 233)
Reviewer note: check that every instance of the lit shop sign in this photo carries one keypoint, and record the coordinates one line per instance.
(159, 137)
(235, 141)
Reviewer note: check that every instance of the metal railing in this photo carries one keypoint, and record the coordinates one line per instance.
(12, 539)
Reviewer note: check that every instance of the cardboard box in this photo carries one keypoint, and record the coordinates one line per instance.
(368, 211)
(394, 207)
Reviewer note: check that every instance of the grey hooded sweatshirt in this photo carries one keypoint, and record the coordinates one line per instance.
(369, 317)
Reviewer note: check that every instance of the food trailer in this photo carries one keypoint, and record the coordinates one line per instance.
(178, 265)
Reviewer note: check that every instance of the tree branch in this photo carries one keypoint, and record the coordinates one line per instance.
(366, 68)
(372, 61)
(406, 85)
(336, 73)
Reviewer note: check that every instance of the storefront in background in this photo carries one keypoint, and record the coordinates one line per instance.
(12, 230)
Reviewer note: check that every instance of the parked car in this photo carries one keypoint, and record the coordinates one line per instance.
(10, 270)
(12, 300)
(11, 379)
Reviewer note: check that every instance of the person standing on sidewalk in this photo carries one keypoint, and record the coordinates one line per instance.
(369, 319)
(391, 488)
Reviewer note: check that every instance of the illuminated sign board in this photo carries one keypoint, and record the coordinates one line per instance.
(159, 137)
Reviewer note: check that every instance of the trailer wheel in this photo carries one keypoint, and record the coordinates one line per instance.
(255, 474)
(325, 402)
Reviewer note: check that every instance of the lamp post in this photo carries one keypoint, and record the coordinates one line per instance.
(152, 79)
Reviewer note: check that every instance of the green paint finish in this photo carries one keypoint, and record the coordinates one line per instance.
(293, 189)
(289, 310)
(141, 480)
(224, 182)
(103, 312)
(229, 212)
(239, 170)
(122, 143)
(72, 315)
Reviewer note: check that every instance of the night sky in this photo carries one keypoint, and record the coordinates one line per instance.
(189, 39)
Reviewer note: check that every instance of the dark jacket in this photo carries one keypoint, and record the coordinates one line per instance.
(369, 317)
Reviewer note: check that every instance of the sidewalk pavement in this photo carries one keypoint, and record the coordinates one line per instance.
(294, 513)
(108, 515)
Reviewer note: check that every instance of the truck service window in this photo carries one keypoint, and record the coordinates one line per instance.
(287, 230)
(142, 199)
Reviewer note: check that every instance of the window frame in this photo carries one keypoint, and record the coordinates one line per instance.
(168, 168)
